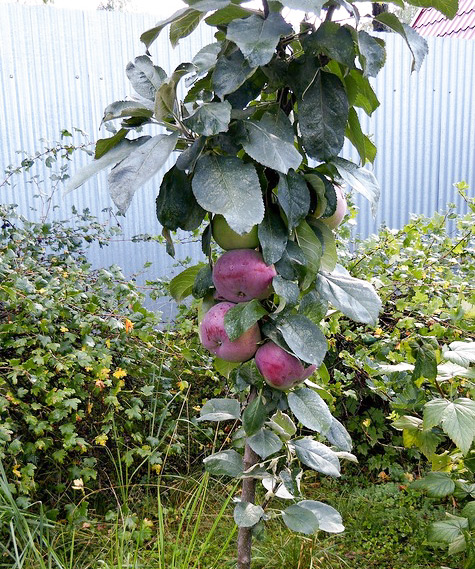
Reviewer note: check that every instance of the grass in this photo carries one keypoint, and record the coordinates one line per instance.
(187, 524)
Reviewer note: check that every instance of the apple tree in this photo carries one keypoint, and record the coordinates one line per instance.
(257, 138)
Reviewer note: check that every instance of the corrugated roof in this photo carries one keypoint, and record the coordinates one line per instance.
(430, 22)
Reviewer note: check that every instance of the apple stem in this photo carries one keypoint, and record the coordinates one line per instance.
(248, 494)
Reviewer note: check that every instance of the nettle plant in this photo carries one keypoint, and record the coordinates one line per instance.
(265, 115)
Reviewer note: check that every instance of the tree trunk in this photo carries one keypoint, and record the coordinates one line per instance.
(248, 494)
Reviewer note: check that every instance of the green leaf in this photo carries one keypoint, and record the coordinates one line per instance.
(104, 145)
(303, 337)
(254, 416)
(372, 54)
(355, 298)
(226, 462)
(227, 186)
(145, 77)
(313, 306)
(311, 247)
(203, 284)
(265, 443)
(426, 362)
(207, 5)
(323, 114)
(220, 410)
(188, 158)
(360, 179)
(149, 36)
(282, 424)
(241, 317)
(293, 263)
(356, 136)
(257, 37)
(138, 168)
(310, 410)
(300, 519)
(360, 93)
(247, 515)
(317, 456)
(225, 15)
(183, 27)
(329, 258)
(176, 206)
(338, 436)
(120, 109)
(210, 118)
(329, 519)
(273, 236)
(270, 142)
(230, 73)
(447, 7)
(314, 6)
(461, 353)
(165, 97)
(181, 286)
(206, 58)
(416, 43)
(287, 291)
(457, 419)
(449, 530)
(333, 40)
(294, 197)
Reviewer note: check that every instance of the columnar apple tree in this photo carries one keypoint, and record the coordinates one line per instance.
(266, 111)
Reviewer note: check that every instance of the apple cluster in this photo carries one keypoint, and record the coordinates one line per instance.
(240, 275)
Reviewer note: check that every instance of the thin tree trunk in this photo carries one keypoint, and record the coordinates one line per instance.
(248, 494)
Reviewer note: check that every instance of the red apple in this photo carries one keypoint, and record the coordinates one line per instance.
(280, 369)
(214, 338)
(228, 239)
(341, 206)
(241, 275)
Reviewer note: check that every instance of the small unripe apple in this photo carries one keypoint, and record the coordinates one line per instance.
(341, 206)
(241, 275)
(228, 239)
(214, 338)
(280, 369)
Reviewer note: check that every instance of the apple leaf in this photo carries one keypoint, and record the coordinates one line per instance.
(355, 298)
(360, 179)
(329, 519)
(334, 40)
(314, 6)
(294, 197)
(176, 205)
(264, 443)
(145, 77)
(207, 5)
(338, 436)
(300, 519)
(258, 37)
(282, 424)
(120, 109)
(303, 337)
(247, 515)
(311, 410)
(273, 236)
(184, 26)
(210, 118)
(225, 15)
(230, 73)
(312, 248)
(241, 317)
(181, 286)
(149, 36)
(254, 416)
(317, 456)
(372, 53)
(206, 58)
(226, 463)
(329, 257)
(203, 284)
(313, 307)
(292, 264)
(323, 114)
(139, 167)
(220, 410)
(287, 291)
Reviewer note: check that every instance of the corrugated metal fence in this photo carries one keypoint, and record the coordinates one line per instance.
(59, 69)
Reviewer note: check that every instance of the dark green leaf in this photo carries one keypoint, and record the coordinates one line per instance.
(206, 240)
(181, 286)
(183, 27)
(139, 167)
(310, 410)
(317, 456)
(220, 410)
(313, 306)
(210, 118)
(426, 362)
(303, 337)
(230, 73)
(312, 248)
(334, 40)
(227, 186)
(227, 462)
(416, 43)
(323, 114)
(300, 519)
(254, 416)
(188, 158)
(247, 374)
(356, 298)
(257, 37)
(176, 205)
(241, 317)
(372, 54)
(265, 443)
(103, 145)
(292, 264)
(145, 77)
(203, 282)
(287, 291)
(169, 245)
(436, 484)
(273, 236)
(225, 15)
(294, 197)
(360, 93)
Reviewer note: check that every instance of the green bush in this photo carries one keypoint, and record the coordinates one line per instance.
(90, 388)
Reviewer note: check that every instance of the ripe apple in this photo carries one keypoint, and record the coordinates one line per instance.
(228, 239)
(280, 369)
(214, 338)
(241, 275)
(341, 206)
